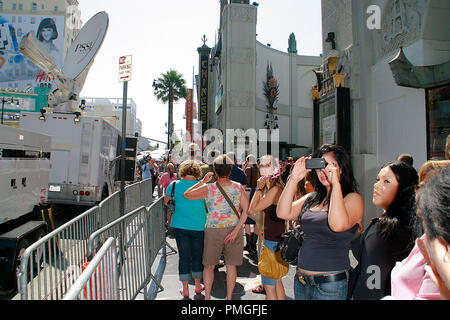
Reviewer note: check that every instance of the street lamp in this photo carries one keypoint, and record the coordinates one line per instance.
(8, 100)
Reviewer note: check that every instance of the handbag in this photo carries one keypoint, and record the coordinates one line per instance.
(292, 241)
(270, 264)
(289, 247)
(171, 203)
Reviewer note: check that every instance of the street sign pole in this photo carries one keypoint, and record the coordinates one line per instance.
(123, 147)
(124, 76)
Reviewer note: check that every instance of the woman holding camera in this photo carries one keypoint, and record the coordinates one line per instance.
(329, 216)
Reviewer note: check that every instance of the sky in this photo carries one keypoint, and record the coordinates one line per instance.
(163, 35)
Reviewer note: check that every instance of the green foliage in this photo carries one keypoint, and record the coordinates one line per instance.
(171, 81)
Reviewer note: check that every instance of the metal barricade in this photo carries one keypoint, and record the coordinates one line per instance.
(110, 208)
(54, 262)
(51, 265)
(132, 197)
(100, 279)
(157, 228)
(146, 192)
(145, 236)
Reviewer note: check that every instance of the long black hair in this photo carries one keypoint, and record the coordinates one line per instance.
(402, 211)
(347, 180)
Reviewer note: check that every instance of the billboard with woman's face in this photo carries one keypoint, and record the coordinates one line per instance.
(16, 71)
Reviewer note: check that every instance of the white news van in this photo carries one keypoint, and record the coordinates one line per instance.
(24, 173)
(82, 153)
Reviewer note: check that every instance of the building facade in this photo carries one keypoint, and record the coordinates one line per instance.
(23, 86)
(231, 92)
(393, 57)
(110, 109)
(17, 18)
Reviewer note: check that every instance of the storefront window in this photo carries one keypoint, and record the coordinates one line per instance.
(438, 121)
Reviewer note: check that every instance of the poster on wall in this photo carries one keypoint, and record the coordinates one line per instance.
(329, 129)
(16, 71)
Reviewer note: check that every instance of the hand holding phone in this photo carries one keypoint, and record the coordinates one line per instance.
(300, 170)
(316, 163)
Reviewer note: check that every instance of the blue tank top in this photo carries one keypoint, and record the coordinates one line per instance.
(323, 249)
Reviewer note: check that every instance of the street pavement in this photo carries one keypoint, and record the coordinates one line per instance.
(248, 277)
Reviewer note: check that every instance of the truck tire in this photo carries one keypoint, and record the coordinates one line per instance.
(21, 247)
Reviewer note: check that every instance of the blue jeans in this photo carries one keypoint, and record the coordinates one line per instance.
(190, 253)
(336, 290)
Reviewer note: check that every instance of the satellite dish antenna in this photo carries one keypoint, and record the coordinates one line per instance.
(70, 79)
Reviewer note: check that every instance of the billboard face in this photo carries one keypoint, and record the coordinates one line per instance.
(17, 71)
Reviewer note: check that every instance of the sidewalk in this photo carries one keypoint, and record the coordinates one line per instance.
(247, 278)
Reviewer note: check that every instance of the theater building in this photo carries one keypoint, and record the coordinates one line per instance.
(392, 60)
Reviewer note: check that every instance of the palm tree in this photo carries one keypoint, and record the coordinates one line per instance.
(170, 87)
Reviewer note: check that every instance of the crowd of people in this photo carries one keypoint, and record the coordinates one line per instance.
(223, 208)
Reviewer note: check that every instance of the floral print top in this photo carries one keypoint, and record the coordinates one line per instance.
(220, 215)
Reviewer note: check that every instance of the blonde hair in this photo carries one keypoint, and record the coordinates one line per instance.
(170, 169)
(431, 167)
(190, 168)
(266, 158)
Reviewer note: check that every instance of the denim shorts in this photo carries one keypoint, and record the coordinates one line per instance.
(272, 246)
(336, 290)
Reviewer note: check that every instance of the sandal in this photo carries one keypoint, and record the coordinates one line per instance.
(259, 289)
(185, 297)
(201, 290)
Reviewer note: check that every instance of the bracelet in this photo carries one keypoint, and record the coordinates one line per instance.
(258, 189)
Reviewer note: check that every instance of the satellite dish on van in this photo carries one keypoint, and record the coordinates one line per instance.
(86, 45)
(70, 79)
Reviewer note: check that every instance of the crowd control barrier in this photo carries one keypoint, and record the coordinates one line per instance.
(50, 266)
(99, 280)
(141, 233)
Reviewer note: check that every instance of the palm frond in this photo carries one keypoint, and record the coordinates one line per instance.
(170, 81)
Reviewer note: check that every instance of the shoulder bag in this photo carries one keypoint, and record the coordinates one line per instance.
(171, 203)
(291, 243)
(270, 264)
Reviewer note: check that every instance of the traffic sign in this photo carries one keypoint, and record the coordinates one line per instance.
(125, 68)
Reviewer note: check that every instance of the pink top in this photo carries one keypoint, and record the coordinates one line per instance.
(166, 179)
(409, 281)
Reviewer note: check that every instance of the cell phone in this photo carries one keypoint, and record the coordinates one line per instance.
(315, 163)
